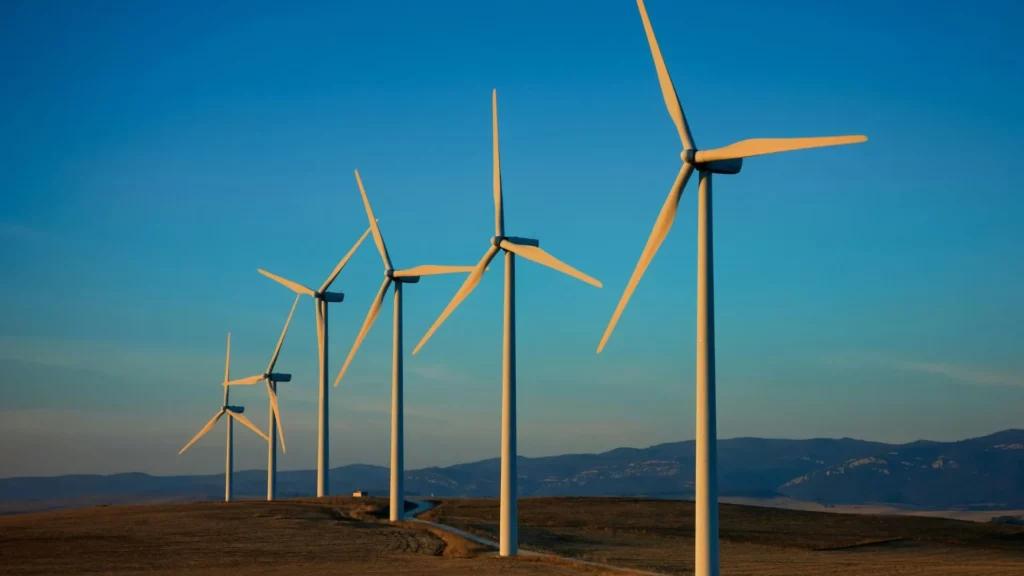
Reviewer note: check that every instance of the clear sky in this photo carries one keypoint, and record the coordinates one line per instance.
(154, 154)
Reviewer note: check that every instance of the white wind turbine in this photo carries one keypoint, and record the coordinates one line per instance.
(529, 249)
(274, 427)
(727, 160)
(234, 413)
(398, 278)
(321, 298)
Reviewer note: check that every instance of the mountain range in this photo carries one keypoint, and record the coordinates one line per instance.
(978, 473)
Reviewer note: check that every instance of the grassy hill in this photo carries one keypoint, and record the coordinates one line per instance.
(351, 536)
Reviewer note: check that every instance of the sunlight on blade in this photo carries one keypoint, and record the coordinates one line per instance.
(762, 146)
(371, 317)
(344, 260)
(209, 426)
(468, 286)
(293, 286)
(661, 229)
(539, 256)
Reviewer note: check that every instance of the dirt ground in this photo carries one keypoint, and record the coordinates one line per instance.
(352, 536)
(337, 536)
(657, 535)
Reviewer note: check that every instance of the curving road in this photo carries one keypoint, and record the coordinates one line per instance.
(422, 506)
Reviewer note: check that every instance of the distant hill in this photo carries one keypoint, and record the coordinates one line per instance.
(979, 473)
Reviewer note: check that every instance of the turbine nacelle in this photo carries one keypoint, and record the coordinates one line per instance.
(731, 166)
(234, 409)
(497, 240)
(331, 296)
(279, 377)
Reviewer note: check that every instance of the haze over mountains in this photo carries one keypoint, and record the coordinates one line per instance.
(978, 473)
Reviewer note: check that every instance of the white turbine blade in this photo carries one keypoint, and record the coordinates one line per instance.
(762, 146)
(319, 332)
(658, 234)
(280, 341)
(499, 209)
(227, 360)
(431, 270)
(377, 238)
(293, 286)
(471, 282)
(248, 424)
(668, 90)
(541, 257)
(277, 414)
(245, 381)
(209, 426)
(341, 264)
(371, 317)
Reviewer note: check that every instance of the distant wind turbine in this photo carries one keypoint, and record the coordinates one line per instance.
(234, 413)
(398, 278)
(727, 160)
(529, 249)
(274, 427)
(321, 298)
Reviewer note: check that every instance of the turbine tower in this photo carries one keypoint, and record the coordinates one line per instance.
(274, 427)
(727, 160)
(396, 278)
(234, 413)
(321, 298)
(529, 249)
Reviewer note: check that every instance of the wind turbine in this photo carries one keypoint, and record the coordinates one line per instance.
(396, 278)
(234, 413)
(529, 249)
(321, 298)
(727, 160)
(274, 427)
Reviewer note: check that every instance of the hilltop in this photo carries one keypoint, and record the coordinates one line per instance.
(979, 473)
(352, 536)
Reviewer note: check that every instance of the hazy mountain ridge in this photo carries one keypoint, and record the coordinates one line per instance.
(979, 473)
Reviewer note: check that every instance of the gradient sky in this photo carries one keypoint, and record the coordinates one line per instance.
(153, 155)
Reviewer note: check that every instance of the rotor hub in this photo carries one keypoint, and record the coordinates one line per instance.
(688, 155)
(496, 241)
(390, 273)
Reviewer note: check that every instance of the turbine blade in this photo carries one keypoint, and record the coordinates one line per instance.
(377, 238)
(499, 209)
(668, 90)
(280, 341)
(319, 334)
(658, 234)
(431, 270)
(471, 282)
(541, 257)
(371, 317)
(277, 415)
(245, 381)
(762, 146)
(241, 418)
(209, 426)
(344, 260)
(293, 286)
(227, 360)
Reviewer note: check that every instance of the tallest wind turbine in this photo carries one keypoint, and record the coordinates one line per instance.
(529, 249)
(727, 160)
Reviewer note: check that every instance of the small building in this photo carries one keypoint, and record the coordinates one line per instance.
(360, 494)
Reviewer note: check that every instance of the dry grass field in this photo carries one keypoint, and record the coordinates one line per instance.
(657, 535)
(336, 536)
(349, 536)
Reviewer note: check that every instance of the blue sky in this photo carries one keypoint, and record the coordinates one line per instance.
(153, 155)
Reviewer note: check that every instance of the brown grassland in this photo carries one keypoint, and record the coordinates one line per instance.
(657, 535)
(348, 536)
